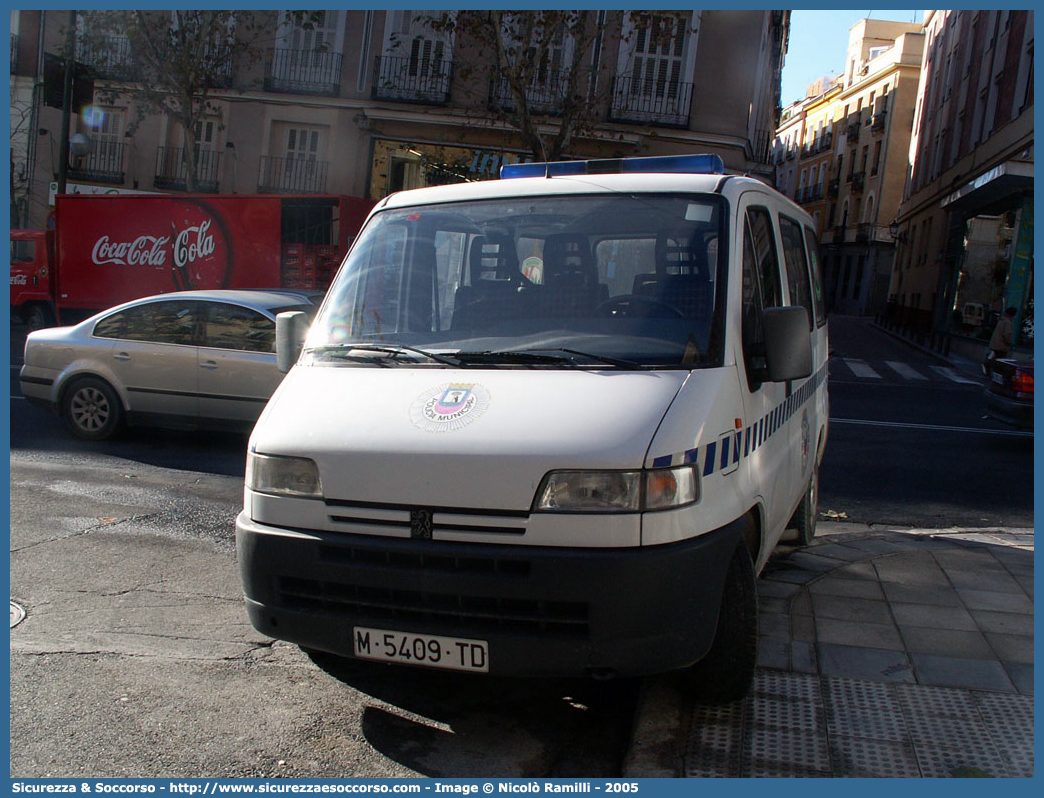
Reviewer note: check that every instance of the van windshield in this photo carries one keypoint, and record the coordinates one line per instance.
(621, 280)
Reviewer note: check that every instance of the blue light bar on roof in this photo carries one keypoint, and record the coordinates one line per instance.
(661, 164)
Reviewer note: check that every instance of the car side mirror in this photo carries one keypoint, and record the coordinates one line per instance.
(788, 344)
(291, 327)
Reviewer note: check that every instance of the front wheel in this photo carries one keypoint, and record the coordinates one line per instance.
(727, 671)
(38, 316)
(92, 409)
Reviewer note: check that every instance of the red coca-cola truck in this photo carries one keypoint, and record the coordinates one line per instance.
(100, 250)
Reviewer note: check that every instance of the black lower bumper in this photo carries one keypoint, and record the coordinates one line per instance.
(544, 611)
(1010, 411)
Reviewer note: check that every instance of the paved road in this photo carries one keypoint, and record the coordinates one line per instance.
(909, 443)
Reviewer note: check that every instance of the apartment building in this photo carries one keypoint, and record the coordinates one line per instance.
(965, 226)
(841, 153)
(370, 102)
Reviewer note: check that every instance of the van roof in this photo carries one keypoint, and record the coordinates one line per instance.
(729, 186)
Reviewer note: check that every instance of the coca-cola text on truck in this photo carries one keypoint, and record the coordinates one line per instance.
(100, 250)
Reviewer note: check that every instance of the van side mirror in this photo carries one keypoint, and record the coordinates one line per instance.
(788, 344)
(291, 327)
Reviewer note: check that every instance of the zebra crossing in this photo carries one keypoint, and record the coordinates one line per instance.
(847, 368)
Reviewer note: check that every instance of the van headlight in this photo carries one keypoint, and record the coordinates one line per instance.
(283, 476)
(617, 491)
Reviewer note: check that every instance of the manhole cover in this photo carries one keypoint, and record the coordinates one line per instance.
(17, 615)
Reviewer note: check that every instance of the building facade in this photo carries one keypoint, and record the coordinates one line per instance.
(842, 153)
(370, 102)
(965, 226)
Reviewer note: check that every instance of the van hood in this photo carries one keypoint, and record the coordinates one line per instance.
(481, 439)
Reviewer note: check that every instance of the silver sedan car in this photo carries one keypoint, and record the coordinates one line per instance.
(188, 359)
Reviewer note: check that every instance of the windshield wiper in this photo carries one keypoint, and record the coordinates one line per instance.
(511, 357)
(390, 351)
(609, 361)
(537, 358)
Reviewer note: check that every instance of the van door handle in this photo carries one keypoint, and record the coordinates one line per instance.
(124, 356)
(208, 364)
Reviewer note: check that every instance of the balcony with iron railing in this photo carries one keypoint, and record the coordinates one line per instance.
(834, 187)
(858, 180)
(412, 80)
(878, 121)
(218, 66)
(172, 171)
(292, 175)
(653, 101)
(864, 230)
(298, 71)
(104, 164)
(108, 57)
(546, 94)
(808, 194)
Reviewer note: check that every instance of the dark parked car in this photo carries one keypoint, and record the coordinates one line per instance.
(1009, 393)
(185, 359)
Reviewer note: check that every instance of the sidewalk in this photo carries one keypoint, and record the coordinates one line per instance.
(967, 366)
(883, 653)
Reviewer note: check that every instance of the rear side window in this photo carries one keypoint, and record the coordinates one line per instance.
(236, 327)
(797, 266)
(817, 277)
(172, 322)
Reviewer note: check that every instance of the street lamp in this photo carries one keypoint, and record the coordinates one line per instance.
(80, 145)
(893, 228)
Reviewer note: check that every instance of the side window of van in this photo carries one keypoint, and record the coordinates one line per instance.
(817, 278)
(761, 289)
(797, 266)
(764, 242)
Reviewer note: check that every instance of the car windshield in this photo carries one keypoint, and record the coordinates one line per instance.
(618, 280)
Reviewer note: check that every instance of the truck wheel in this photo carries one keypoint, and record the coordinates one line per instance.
(807, 513)
(36, 317)
(727, 671)
(92, 409)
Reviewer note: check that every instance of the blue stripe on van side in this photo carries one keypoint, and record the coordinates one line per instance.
(750, 439)
(708, 464)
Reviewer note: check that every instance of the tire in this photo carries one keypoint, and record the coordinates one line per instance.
(38, 316)
(92, 409)
(727, 671)
(807, 513)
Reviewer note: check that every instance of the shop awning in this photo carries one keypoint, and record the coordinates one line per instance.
(991, 187)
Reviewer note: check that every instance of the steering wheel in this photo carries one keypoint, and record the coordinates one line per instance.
(624, 305)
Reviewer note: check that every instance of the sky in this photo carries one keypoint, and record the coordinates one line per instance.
(818, 43)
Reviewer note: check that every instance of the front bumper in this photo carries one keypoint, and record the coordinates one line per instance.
(1010, 411)
(545, 611)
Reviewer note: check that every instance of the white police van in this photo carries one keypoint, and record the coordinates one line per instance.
(547, 425)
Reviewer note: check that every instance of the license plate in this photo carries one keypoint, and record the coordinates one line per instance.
(452, 653)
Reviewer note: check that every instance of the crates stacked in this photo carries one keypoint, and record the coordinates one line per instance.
(326, 262)
(291, 276)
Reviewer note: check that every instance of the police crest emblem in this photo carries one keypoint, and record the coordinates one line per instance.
(450, 407)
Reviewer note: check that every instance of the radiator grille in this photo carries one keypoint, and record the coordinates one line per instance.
(470, 613)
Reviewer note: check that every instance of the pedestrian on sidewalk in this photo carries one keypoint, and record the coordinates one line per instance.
(1000, 341)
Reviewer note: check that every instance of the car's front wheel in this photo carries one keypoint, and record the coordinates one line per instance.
(92, 409)
(727, 671)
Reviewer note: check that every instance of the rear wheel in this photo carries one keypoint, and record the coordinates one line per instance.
(727, 671)
(92, 409)
(807, 513)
